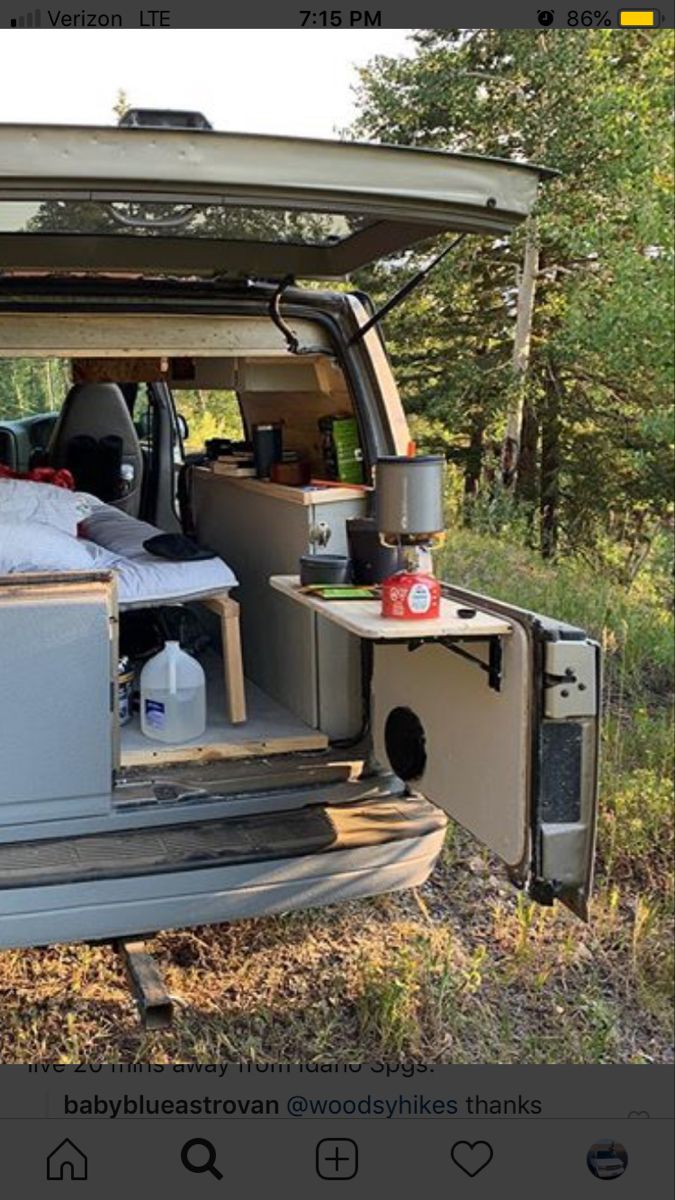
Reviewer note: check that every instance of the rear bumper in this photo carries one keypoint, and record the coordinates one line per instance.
(205, 894)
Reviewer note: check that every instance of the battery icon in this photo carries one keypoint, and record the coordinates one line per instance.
(639, 18)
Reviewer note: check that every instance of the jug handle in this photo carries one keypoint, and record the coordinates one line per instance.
(171, 647)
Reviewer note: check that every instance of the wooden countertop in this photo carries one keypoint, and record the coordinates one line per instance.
(363, 617)
(292, 495)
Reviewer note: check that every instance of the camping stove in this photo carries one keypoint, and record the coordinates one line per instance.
(409, 497)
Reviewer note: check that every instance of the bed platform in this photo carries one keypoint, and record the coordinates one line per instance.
(269, 729)
(115, 541)
(143, 580)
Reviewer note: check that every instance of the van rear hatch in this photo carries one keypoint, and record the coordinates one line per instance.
(195, 202)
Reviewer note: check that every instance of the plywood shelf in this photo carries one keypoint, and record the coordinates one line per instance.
(269, 729)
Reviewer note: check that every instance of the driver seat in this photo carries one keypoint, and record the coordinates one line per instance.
(95, 438)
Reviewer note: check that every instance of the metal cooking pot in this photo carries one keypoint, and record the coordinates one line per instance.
(409, 497)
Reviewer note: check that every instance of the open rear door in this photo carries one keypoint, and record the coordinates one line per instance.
(503, 735)
(194, 202)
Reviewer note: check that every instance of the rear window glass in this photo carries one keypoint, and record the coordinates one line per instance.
(148, 218)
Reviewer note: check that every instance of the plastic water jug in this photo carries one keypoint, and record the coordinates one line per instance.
(173, 696)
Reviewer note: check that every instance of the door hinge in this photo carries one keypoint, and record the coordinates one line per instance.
(570, 680)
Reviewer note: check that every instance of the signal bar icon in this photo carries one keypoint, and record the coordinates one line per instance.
(31, 20)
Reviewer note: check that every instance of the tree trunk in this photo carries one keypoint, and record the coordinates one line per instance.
(473, 465)
(511, 446)
(550, 463)
(526, 485)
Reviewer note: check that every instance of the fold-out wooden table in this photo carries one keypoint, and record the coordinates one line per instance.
(363, 618)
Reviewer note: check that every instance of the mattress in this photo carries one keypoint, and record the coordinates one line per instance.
(114, 541)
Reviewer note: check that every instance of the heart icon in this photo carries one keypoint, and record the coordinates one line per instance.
(638, 1113)
(471, 1157)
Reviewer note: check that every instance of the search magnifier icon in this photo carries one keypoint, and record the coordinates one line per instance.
(197, 1163)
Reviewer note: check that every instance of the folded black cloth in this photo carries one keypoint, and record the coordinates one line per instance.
(176, 547)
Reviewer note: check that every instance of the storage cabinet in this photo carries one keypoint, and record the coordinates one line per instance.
(57, 648)
(297, 657)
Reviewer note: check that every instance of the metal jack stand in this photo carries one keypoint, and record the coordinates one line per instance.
(155, 1005)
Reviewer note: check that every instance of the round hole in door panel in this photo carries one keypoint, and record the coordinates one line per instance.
(406, 744)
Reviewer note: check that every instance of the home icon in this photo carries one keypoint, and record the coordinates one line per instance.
(67, 1162)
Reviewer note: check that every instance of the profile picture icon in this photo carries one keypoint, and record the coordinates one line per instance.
(607, 1159)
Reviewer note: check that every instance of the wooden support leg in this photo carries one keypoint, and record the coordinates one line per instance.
(233, 668)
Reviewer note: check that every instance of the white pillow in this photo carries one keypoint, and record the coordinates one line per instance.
(24, 500)
(35, 547)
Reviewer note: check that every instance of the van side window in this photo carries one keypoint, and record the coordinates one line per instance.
(209, 413)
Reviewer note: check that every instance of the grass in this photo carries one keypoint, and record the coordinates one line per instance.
(463, 970)
(634, 625)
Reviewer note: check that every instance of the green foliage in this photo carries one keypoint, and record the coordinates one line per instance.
(597, 108)
(633, 625)
(29, 386)
(636, 826)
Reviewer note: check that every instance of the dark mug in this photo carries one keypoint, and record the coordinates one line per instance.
(371, 561)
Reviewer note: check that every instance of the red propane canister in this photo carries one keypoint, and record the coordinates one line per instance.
(411, 596)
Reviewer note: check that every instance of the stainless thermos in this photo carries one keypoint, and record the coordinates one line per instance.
(267, 447)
